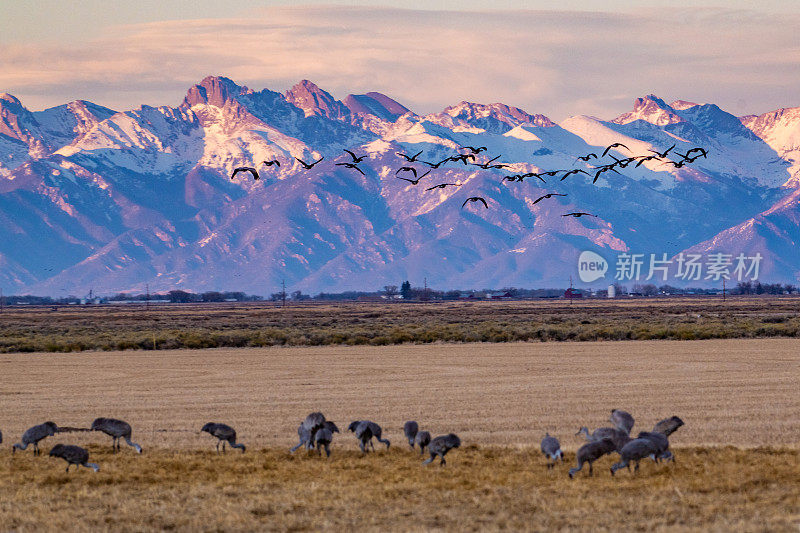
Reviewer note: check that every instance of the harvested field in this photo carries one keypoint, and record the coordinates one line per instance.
(738, 463)
(162, 327)
(739, 392)
(480, 489)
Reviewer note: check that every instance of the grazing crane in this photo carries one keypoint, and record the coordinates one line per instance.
(440, 446)
(591, 452)
(324, 437)
(305, 438)
(668, 426)
(224, 433)
(622, 419)
(635, 450)
(363, 433)
(251, 170)
(410, 430)
(313, 422)
(661, 444)
(73, 455)
(116, 429)
(376, 431)
(619, 437)
(423, 439)
(34, 435)
(552, 449)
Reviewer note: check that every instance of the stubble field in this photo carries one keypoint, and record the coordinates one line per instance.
(738, 463)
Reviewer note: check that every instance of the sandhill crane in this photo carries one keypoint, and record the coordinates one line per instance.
(668, 426)
(440, 446)
(635, 450)
(619, 437)
(363, 433)
(591, 452)
(422, 440)
(410, 429)
(324, 437)
(73, 455)
(224, 433)
(622, 419)
(313, 422)
(34, 435)
(376, 432)
(305, 438)
(116, 429)
(660, 442)
(552, 449)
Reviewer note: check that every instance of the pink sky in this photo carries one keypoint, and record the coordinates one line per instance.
(556, 63)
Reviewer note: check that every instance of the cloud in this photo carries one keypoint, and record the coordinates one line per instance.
(556, 63)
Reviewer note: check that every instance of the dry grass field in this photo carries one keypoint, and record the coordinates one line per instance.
(164, 327)
(738, 462)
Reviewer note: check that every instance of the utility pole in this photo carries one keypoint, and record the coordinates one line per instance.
(723, 289)
(283, 292)
(2, 301)
(147, 297)
(570, 290)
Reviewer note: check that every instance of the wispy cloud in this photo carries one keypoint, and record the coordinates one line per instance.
(556, 63)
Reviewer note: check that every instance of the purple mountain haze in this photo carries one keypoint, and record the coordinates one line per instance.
(92, 198)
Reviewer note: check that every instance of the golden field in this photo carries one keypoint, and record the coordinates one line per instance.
(738, 463)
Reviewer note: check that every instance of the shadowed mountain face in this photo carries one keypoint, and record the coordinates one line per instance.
(93, 198)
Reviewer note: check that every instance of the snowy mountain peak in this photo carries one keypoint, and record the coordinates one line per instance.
(682, 104)
(651, 109)
(10, 98)
(315, 101)
(493, 118)
(214, 90)
(376, 104)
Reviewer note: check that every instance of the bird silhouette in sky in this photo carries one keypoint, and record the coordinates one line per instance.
(309, 166)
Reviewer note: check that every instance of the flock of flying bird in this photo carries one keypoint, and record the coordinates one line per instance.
(470, 154)
(315, 431)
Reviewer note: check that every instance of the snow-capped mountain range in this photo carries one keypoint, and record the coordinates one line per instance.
(95, 198)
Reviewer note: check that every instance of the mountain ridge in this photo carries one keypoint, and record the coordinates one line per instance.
(116, 200)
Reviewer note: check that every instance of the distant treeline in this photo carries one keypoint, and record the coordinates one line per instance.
(404, 292)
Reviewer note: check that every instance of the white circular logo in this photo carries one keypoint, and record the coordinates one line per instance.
(591, 266)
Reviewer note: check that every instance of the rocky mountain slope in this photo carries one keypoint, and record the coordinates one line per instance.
(94, 198)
